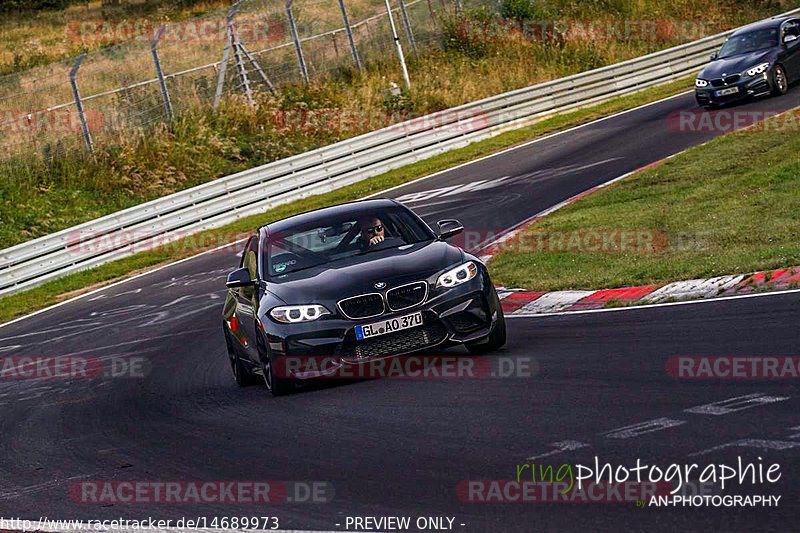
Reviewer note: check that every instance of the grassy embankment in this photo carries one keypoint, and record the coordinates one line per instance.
(38, 196)
(730, 206)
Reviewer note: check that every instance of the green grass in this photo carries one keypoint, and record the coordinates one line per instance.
(730, 206)
(52, 292)
(33, 37)
(60, 186)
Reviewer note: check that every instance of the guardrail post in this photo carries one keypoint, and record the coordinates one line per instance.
(73, 74)
(225, 53)
(398, 46)
(161, 81)
(407, 24)
(350, 36)
(296, 38)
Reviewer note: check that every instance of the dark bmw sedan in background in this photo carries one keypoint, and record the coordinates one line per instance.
(355, 282)
(757, 60)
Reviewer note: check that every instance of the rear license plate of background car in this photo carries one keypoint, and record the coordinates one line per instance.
(730, 90)
(388, 326)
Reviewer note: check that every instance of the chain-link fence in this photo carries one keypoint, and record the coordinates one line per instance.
(162, 71)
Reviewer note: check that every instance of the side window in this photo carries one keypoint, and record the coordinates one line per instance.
(247, 247)
(249, 260)
(791, 28)
(250, 257)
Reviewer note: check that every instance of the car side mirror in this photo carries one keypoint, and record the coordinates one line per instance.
(449, 228)
(789, 38)
(714, 56)
(240, 278)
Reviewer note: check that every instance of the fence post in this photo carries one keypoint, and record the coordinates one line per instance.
(350, 36)
(224, 65)
(432, 12)
(399, 47)
(258, 68)
(293, 27)
(409, 32)
(237, 54)
(335, 47)
(161, 81)
(458, 7)
(78, 104)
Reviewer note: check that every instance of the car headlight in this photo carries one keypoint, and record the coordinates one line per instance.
(290, 314)
(758, 69)
(457, 276)
(700, 83)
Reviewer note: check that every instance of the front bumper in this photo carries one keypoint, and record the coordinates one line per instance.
(457, 315)
(745, 88)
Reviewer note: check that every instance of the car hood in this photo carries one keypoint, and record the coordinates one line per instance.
(359, 274)
(735, 64)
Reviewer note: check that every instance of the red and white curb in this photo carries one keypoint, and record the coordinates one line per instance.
(520, 302)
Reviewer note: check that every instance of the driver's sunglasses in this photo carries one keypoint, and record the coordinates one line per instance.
(374, 229)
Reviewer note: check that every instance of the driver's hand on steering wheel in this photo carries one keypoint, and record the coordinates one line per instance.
(375, 240)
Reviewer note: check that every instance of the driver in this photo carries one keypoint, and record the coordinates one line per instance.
(372, 232)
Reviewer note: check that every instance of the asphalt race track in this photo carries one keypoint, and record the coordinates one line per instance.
(392, 447)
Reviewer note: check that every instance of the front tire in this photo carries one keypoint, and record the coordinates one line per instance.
(241, 375)
(778, 81)
(277, 386)
(497, 337)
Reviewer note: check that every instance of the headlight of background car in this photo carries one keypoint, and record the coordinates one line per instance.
(290, 314)
(700, 83)
(457, 276)
(760, 69)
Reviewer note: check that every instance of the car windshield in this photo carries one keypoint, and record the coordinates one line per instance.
(749, 42)
(334, 238)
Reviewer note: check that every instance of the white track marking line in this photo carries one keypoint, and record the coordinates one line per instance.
(761, 444)
(650, 306)
(732, 405)
(528, 143)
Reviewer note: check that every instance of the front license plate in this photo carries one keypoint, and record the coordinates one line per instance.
(388, 326)
(730, 90)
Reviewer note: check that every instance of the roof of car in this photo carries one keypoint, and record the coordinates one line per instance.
(334, 210)
(774, 22)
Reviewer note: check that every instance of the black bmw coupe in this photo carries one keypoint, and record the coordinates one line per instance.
(354, 283)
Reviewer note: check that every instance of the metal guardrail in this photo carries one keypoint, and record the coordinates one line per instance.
(253, 191)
